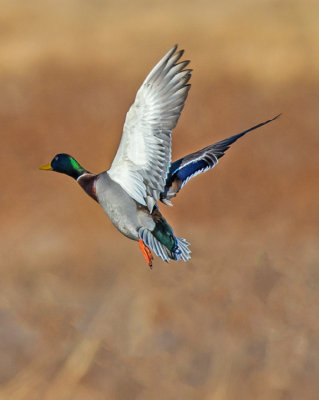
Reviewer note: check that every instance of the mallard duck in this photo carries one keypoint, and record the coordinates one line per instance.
(142, 172)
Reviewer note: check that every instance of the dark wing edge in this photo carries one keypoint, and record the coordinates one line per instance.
(182, 170)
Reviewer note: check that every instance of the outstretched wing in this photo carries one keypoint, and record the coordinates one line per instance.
(182, 170)
(144, 154)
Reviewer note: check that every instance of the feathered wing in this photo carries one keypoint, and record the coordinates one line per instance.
(182, 170)
(144, 154)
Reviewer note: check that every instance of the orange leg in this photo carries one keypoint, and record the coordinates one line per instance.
(146, 253)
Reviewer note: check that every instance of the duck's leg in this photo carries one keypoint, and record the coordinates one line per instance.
(146, 253)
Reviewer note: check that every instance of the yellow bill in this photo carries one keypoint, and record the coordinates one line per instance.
(46, 167)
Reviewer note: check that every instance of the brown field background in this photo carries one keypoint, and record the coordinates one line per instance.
(81, 315)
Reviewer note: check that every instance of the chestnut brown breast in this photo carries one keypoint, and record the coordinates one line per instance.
(87, 182)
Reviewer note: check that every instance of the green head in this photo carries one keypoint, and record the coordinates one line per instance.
(65, 164)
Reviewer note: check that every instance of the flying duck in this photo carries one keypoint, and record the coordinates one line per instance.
(142, 172)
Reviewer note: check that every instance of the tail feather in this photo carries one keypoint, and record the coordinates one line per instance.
(181, 252)
(183, 247)
(151, 242)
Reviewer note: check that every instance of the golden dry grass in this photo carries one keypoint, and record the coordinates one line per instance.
(81, 316)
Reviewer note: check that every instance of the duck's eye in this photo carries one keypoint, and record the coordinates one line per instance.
(56, 158)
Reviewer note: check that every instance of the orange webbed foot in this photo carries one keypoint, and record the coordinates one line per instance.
(146, 253)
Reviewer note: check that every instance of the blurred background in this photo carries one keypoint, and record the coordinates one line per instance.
(81, 315)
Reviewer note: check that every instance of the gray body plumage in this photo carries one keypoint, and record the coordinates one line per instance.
(134, 220)
(124, 212)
